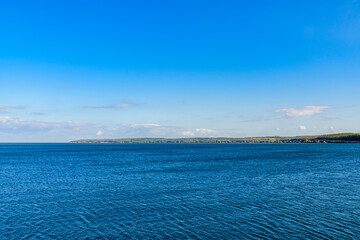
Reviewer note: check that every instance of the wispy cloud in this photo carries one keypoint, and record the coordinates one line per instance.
(145, 125)
(204, 131)
(15, 125)
(146, 130)
(187, 133)
(257, 119)
(114, 106)
(300, 112)
(31, 130)
(37, 113)
(5, 107)
(199, 132)
(15, 129)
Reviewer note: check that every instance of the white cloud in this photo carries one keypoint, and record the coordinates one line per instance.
(302, 127)
(200, 132)
(187, 133)
(305, 111)
(99, 133)
(4, 119)
(277, 129)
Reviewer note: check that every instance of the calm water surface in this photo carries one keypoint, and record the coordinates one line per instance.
(280, 191)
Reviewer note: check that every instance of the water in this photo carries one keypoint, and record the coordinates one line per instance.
(280, 191)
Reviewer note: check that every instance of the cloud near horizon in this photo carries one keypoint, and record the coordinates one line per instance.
(300, 112)
(15, 125)
(114, 106)
(29, 130)
(199, 132)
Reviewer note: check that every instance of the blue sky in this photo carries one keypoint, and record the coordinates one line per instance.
(111, 69)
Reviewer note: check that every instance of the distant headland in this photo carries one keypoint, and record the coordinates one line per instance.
(329, 138)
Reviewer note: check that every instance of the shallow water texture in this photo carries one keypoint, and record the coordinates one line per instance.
(177, 191)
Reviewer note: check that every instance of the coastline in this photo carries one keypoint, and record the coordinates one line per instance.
(330, 138)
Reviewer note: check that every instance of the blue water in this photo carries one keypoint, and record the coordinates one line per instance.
(280, 191)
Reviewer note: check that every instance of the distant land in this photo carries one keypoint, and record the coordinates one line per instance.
(329, 138)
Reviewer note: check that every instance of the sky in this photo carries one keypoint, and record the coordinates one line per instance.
(112, 69)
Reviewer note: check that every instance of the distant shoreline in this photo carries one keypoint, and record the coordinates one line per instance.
(329, 138)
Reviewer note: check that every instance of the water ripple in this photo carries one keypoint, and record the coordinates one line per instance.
(180, 191)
